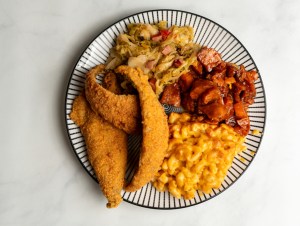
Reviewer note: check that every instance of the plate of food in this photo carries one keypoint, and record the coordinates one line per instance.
(165, 109)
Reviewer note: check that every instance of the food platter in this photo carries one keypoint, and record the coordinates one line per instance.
(207, 33)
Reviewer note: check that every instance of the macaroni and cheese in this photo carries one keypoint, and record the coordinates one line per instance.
(199, 155)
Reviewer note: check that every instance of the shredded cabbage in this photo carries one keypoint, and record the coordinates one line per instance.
(155, 43)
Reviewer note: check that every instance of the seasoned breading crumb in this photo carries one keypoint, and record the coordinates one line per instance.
(122, 111)
(106, 149)
(155, 129)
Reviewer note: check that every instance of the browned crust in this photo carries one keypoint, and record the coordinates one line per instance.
(106, 149)
(122, 111)
(155, 129)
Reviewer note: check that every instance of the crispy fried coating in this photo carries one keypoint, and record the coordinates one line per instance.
(155, 129)
(106, 149)
(110, 82)
(122, 111)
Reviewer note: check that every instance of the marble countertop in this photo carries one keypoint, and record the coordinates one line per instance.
(42, 182)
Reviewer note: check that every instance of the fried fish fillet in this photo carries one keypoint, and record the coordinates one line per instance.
(106, 149)
(122, 111)
(155, 129)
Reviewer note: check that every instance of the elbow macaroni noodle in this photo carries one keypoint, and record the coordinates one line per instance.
(198, 156)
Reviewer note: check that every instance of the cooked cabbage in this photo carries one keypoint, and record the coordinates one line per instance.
(153, 48)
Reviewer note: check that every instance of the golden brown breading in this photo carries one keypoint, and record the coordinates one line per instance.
(110, 82)
(155, 129)
(81, 110)
(106, 149)
(122, 111)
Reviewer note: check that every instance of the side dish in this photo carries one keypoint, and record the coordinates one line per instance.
(163, 53)
(198, 156)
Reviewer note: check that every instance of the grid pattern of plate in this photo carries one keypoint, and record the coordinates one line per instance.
(207, 33)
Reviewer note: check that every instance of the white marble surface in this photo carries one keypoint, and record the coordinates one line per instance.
(42, 182)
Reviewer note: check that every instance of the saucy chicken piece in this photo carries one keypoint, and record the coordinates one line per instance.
(199, 87)
(185, 81)
(210, 95)
(239, 110)
(244, 87)
(230, 118)
(214, 111)
(244, 93)
(220, 82)
(243, 122)
(249, 76)
(171, 95)
(242, 119)
(219, 72)
(231, 70)
(188, 103)
(243, 126)
(248, 94)
(238, 89)
(221, 67)
(218, 76)
(209, 57)
(197, 67)
(228, 102)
